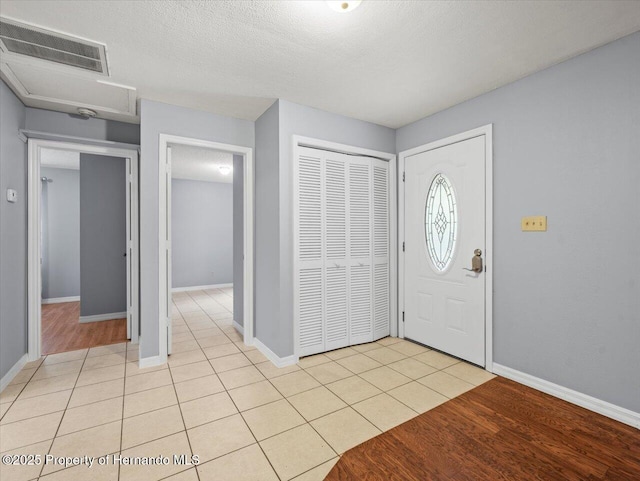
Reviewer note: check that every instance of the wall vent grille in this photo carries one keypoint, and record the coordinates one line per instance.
(27, 40)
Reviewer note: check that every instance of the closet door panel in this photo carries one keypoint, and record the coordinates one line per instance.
(310, 316)
(381, 294)
(336, 309)
(309, 269)
(335, 259)
(360, 250)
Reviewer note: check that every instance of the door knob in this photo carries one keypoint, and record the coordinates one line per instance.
(476, 262)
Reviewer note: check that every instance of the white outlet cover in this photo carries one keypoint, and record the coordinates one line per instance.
(12, 196)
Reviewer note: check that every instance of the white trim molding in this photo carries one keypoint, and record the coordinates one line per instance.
(487, 132)
(273, 357)
(8, 377)
(591, 403)
(151, 361)
(164, 238)
(200, 288)
(109, 316)
(59, 300)
(238, 327)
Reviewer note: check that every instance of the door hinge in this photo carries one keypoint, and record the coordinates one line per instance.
(403, 176)
(402, 316)
(402, 246)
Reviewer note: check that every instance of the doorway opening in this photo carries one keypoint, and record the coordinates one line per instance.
(83, 246)
(206, 244)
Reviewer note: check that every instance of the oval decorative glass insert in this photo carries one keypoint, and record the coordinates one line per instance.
(441, 222)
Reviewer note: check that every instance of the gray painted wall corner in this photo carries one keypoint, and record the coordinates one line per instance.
(566, 145)
(267, 238)
(238, 239)
(13, 232)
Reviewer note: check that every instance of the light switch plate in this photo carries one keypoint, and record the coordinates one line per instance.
(12, 196)
(534, 223)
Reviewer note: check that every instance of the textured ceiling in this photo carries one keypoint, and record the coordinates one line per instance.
(388, 62)
(197, 163)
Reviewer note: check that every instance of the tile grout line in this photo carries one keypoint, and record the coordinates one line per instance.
(186, 432)
(254, 436)
(244, 421)
(224, 329)
(53, 440)
(124, 390)
(305, 419)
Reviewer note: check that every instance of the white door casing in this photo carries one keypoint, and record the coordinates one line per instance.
(34, 248)
(169, 304)
(133, 280)
(164, 238)
(446, 306)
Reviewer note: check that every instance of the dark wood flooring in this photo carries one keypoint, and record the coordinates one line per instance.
(62, 331)
(501, 430)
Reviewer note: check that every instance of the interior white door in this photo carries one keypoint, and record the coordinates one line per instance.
(444, 223)
(169, 307)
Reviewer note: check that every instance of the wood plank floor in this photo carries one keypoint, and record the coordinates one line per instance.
(62, 331)
(501, 430)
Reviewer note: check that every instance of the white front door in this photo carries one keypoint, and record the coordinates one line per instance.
(444, 224)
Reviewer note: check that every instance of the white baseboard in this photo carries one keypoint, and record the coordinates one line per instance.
(238, 327)
(200, 288)
(151, 361)
(605, 408)
(58, 300)
(8, 377)
(104, 317)
(275, 359)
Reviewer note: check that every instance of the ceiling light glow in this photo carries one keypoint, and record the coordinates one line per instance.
(343, 6)
(224, 169)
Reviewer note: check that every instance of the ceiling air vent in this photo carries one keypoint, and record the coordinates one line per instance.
(27, 40)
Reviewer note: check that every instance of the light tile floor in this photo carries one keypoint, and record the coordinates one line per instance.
(219, 399)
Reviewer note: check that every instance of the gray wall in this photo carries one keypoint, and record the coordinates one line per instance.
(103, 235)
(13, 232)
(267, 326)
(566, 145)
(274, 297)
(60, 233)
(238, 239)
(159, 118)
(201, 233)
(98, 129)
(13, 217)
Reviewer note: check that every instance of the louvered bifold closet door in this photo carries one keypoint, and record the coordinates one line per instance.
(381, 294)
(342, 250)
(309, 268)
(360, 250)
(336, 239)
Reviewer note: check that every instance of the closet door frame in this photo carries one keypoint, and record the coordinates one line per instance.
(301, 141)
